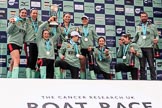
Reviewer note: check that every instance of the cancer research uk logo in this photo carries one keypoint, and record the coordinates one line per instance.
(88, 102)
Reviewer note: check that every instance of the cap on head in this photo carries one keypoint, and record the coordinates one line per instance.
(127, 36)
(75, 33)
(84, 16)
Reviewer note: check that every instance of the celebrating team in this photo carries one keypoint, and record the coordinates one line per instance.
(52, 49)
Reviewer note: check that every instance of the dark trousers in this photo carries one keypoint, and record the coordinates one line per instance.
(85, 53)
(124, 68)
(49, 63)
(31, 51)
(97, 70)
(64, 65)
(149, 56)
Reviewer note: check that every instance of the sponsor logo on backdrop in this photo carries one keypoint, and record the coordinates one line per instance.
(3, 37)
(120, 30)
(23, 61)
(157, 12)
(110, 30)
(98, 18)
(35, 4)
(110, 8)
(129, 20)
(89, 7)
(100, 30)
(2, 14)
(138, 10)
(24, 3)
(79, 7)
(13, 4)
(158, 22)
(119, 10)
(3, 61)
(99, 8)
(129, 10)
(110, 19)
(111, 41)
(45, 15)
(159, 64)
(77, 18)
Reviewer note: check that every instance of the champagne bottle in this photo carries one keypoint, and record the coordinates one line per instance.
(59, 42)
(131, 59)
(156, 51)
(91, 57)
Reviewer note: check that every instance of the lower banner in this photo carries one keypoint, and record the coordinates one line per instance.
(47, 93)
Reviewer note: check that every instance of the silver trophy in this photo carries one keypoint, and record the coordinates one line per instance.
(54, 8)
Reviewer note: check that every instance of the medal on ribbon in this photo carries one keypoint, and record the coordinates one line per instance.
(75, 47)
(144, 30)
(35, 25)
(125, 51)
(66, 31)
(85, 30)
(48, 47)
(100, 52)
